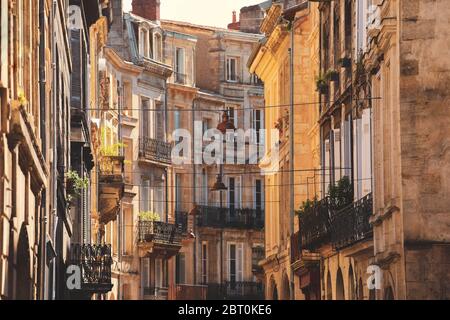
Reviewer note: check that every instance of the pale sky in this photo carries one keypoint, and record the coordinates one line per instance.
(217, 13)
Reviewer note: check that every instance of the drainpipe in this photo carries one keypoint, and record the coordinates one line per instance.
(291, 151)
(55, 153)
(42, 102)
(194, 191)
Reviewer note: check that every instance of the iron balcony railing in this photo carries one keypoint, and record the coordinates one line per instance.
(155, 150)
(159, 232)
(315, 229)
(232, 218)
(182, 221)
(95, 263)
(236, 291)
(351, 224)
(188, 292)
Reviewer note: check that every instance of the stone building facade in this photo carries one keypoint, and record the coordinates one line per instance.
(271, 61)
(221, 262)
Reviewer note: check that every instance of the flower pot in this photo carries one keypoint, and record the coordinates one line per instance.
(346, 62)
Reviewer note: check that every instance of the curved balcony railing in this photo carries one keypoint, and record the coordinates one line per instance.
(315, 225)
(159, 232)
(155, 150)
(95, 265)
(351, 224)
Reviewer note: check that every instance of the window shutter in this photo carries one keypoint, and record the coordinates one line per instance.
(240, 262)
(75, 38)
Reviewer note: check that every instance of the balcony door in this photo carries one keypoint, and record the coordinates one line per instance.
(152, 195)
(155, 277)
(235, 254)
(153, 120)
(234, 194)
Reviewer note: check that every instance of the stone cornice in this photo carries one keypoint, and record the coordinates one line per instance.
(271, 20)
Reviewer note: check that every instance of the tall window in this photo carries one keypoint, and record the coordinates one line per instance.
(180, 268)
(235, 262)
(180, 67)
(152, 195)
(146, 126)
(144, 43)
(128, 231)
(204, 262)
(232, 114)
(258, 195)
(232, 69)
(234, 193)
(205, 187)
(157, 46)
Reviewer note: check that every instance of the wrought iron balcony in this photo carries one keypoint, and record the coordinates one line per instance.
(232, 218)
(351, 224)
(95, 263)
(236, 291)
(188, 292)
(315, 229)
(155, 150)
(182, 221)
(159, 239)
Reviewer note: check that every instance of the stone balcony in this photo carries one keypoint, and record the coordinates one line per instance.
(111, 187)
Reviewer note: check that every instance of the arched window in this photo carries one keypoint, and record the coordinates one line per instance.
(389, 294)
(157, 46)
(351, 285)
(340, 292)
(360, 290)
(329, 287)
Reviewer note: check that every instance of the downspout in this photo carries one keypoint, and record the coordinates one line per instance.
(54, 149)
(42, 101)
(194, 191)
(291, 151)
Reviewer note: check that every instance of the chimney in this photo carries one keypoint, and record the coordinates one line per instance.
(147, 9)
(234, 16)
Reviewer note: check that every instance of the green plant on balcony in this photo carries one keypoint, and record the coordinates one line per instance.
(149, 216)
(75, 185)
(341, 193)
(345, 62)
(306, 206)
(322, 84)
(23, 101)
(332, 75)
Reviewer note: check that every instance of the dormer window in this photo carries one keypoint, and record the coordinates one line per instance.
(144, 43)
(232, 69)
(157, 46)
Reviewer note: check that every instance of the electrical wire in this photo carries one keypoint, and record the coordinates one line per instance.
(214, 110)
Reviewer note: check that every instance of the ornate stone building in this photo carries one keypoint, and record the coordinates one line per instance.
(286, 21)
(211, 78)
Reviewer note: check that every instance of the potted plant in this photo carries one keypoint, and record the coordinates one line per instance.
(345, 62)
(149, 216)
(321, 85)
(75, 185)
(332, 75)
